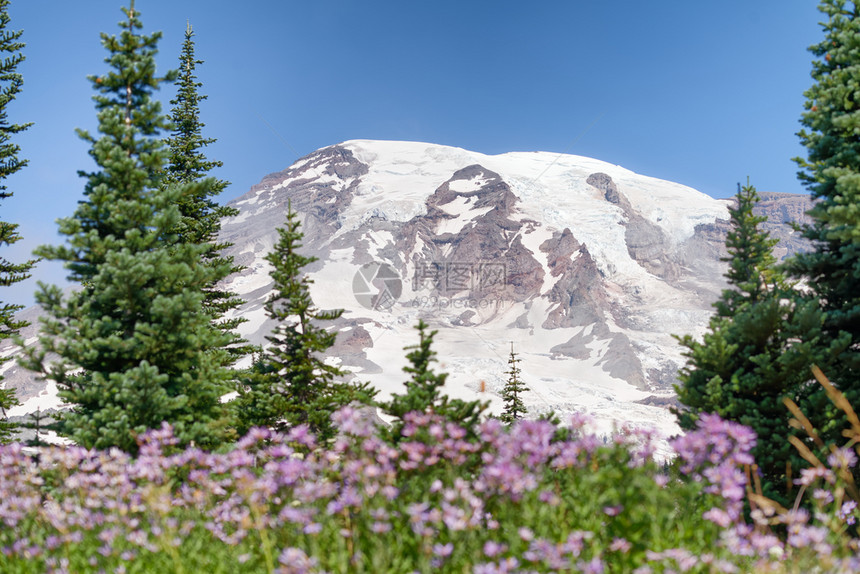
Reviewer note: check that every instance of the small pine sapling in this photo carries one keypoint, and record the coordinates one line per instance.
(513, 390)
(424, 390)
(36, 423)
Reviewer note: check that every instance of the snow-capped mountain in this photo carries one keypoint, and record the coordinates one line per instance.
(586, 267)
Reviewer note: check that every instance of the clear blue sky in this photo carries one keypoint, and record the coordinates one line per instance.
(703, 92)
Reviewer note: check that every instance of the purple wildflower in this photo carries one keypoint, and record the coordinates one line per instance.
(809, 475)
(843, 458)
(613, 510)
(295, 561)
(846, 512)
(443, 550)
(493, 549)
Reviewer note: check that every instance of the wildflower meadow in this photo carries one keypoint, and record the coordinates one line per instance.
(159, 481)
(532, 497)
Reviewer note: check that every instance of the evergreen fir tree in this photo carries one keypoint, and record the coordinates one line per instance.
(292, 384)
(136, 345)
(10, 85)
(756, 348)
(752, 272)
(424, 390)
(186, 161)
(514, 387)
(200, 215)
(831, 172)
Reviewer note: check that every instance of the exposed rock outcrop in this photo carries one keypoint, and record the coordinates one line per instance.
(647, 244)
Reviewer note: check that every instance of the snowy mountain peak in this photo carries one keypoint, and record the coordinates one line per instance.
(588, 268)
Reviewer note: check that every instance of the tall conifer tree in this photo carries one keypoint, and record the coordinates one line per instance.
(136, 346)
(756, 349)
(752, 272)
(10, 85)
(201, 215)
(831, 172)
(292, 384)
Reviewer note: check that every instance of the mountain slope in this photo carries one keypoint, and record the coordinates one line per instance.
(588, 268)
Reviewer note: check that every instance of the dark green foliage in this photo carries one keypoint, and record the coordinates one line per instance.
(10, 85)
(256, 404)
(756, 350)
(200, 215)
(752, 272)
(136, 344)
(514, 387)
(831, 172)
(424, 390)
(7, 428)
(187, 162)
(291, 384)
